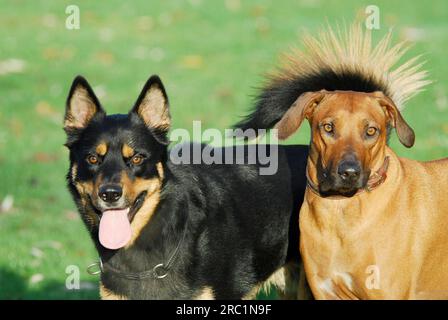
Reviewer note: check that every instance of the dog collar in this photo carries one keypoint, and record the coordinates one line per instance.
(159, 271)
(375, 179)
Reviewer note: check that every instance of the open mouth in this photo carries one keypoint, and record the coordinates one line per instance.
(115, 224)
(132, 209)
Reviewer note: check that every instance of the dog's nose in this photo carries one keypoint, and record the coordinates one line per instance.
(349, 170)
(110, 192)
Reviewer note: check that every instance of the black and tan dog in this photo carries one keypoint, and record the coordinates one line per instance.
(166, 231)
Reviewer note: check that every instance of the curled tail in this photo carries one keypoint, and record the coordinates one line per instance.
(337, 60)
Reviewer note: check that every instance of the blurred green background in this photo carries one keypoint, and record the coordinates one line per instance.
(211, 56)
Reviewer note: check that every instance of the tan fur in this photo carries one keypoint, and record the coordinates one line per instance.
(153, 109)
(287, 282)
(277, 280)
(74, 172)
(205, 294)
(101, 149)
(85, 189)
(399, 228)
(131, 190)
(127, 151)
(81, 110)
(351, 49)
(106, 294)
(151, 201)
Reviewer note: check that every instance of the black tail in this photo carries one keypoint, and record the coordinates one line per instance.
(337, 60)
(276, 98)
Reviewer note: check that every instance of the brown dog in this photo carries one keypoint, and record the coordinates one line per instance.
(387, 242)
(373, 225)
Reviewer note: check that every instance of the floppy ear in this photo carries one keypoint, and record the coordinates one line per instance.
(153, 108)
(82, 105)
(302, 108)
(405, 133)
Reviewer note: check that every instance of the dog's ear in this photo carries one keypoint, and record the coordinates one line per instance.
(301, 109)
(82, 105)
(405, 133)
(153, 108)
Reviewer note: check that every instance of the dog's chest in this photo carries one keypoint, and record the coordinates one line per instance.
(339, 264)
(340, 285)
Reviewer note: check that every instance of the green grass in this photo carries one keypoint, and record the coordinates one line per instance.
(211, 58)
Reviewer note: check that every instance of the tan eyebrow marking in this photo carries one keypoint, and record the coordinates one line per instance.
(127, 151)
(101, 149)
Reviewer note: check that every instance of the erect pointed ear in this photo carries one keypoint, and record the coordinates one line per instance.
(153, 108)
(82, 105)
(405, 133)
(301, 109)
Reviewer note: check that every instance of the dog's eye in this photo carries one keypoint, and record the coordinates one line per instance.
(371, 131)
(92, 159)
(328, 127)
(137, 160)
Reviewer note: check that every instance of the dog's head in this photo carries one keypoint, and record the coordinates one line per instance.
(117, 161)
(349, 134)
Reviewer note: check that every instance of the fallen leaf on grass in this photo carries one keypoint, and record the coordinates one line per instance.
(53, 53)
(71, 215)
(233, 5)
(43, 157)
(106, 34)
(412, 34)
(262, 25)
(192, 61)
(12, 66)
(36, 278)
(441, 99)
(46, 110)
(49, 20)
(7, 203)
(224, 94)
(37, 253)
(106, 58)
(16, 126)
(145, 23)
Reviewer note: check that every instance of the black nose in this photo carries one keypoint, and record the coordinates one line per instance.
(110, 192)
(349, 170)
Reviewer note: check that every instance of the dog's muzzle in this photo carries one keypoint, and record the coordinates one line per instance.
(345, 178)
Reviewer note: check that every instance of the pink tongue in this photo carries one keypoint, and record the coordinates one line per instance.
(115, 229)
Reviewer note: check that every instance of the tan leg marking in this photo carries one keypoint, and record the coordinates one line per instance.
(276, 279)
(106, 294)
(205, 294)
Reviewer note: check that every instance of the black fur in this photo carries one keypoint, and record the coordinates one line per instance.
(240, 226)
(278, 96)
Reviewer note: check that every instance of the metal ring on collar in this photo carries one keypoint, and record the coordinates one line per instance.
(91, 268)
(156, 273)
